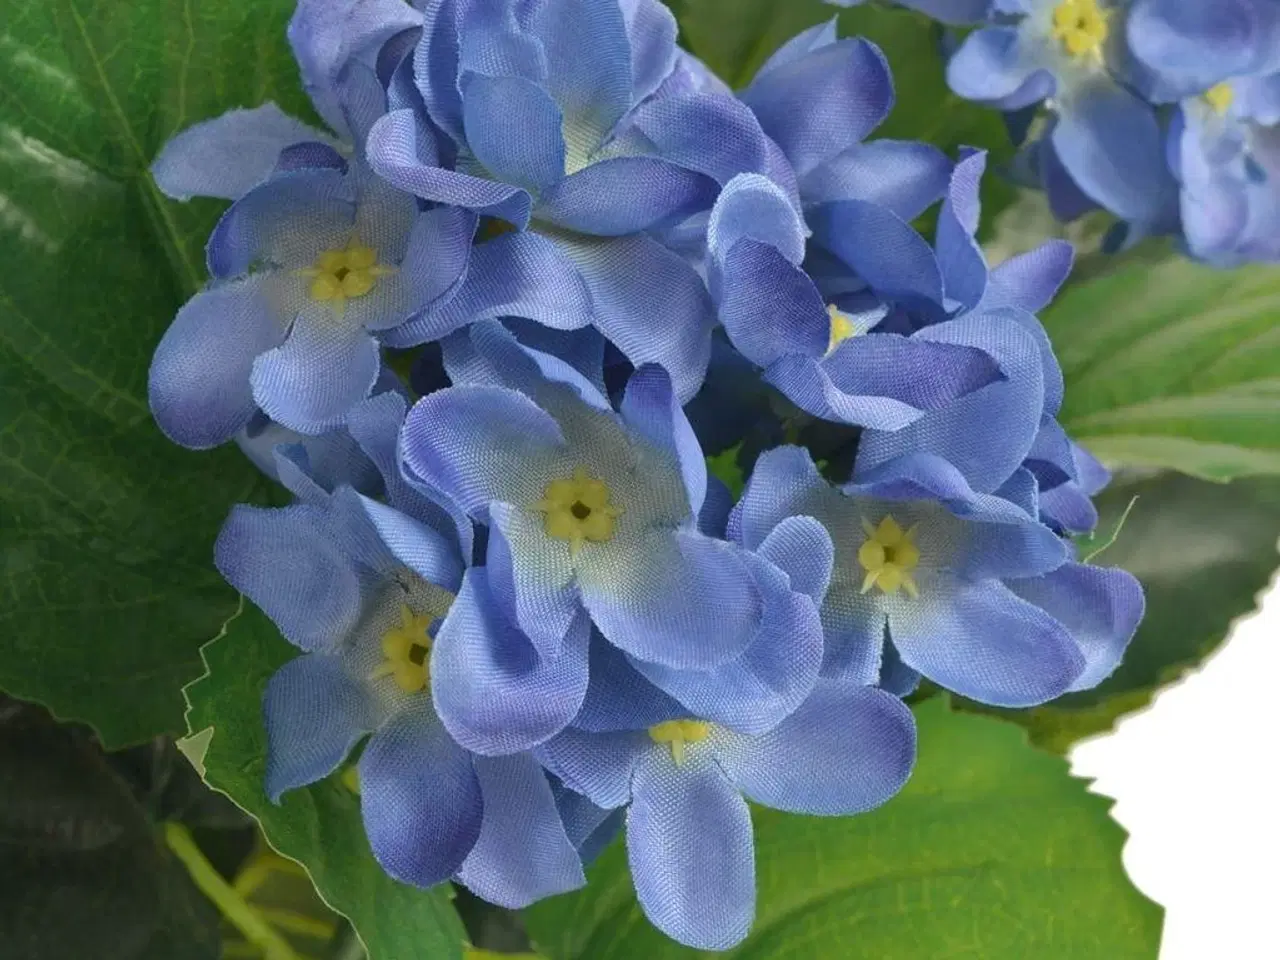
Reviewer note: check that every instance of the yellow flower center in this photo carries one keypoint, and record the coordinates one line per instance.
(342, 275)
(889, 555)
(578, 510)
(404, 649)
(1081, 27)
(677, 733)
(1220, 97)
(842, 327)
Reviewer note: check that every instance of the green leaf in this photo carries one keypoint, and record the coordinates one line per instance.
(81, 871)
(1174, 365)
(319, 826)
(735, 37)
(992, 850)
(1203, 552)
(108, 588)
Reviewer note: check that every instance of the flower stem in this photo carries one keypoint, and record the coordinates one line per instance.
(234, 907)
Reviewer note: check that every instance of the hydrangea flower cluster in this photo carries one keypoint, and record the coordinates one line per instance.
(525, 609)
(1164, 112)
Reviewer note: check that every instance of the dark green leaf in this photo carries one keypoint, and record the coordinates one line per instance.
(81, 871)
(991, 851)
(1174, 365)
(1203, 552)
(108, 589)
(319, 826)
(735, 37)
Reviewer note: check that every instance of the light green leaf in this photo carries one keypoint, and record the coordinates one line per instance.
(107, 587)
(1203, 552)
(1174, 365)
(991, 851)
(319, 826)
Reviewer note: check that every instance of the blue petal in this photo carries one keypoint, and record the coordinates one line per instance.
(982, 641)
(1111, 144)
(532, 580)
(714, 135)
(753, 207)
(816, 106)
(650, 409)
(769, 307)
(1067, 202)
(421, 548)
(1000, 64)
(901, 175)
(288, 220)
(783, 483)
(1022, 491)
(326, 35)
(436, 259)
(846, 750)
(772, 677)
(229, 155)
(198, 385)
(987, 433)
(491, 108)
(398, 151)
(801, 45)
(493, 691)
(854, 628)
(523, 852)
(435, 67)
(649, 302)
(317, 375)
(714, 515)
(375, 426)
(884, 249)
(314, 714)
(420, 798)
(801, 548)
(1030, 280)
(597, 765)
(964, 268)
(589, 63)
(624, 195)
(514, 275)
(958, 13)
(861, 382)
(651, 32)
(1100, 606)
(479, 444)
(619, 697)
(1196, 43)
(674, 598)
(895, 676)
(690, 849)
(280, 559)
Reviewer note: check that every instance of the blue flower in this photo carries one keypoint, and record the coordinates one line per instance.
(310, 267)
(368, 621)
(1192, 45)
(847, 749)
(817, 355)
(555, 118)
(1070, 53)
(943, 570)
(586, 508)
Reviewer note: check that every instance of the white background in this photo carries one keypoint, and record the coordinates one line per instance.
(1195, 778)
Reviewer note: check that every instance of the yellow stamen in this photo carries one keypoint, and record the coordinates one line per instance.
(889, 555)
(405, 649)
(1081, 27)
(1220, 98)
(678, 733)
(578, 510)
(347, 274)
(842, 327)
